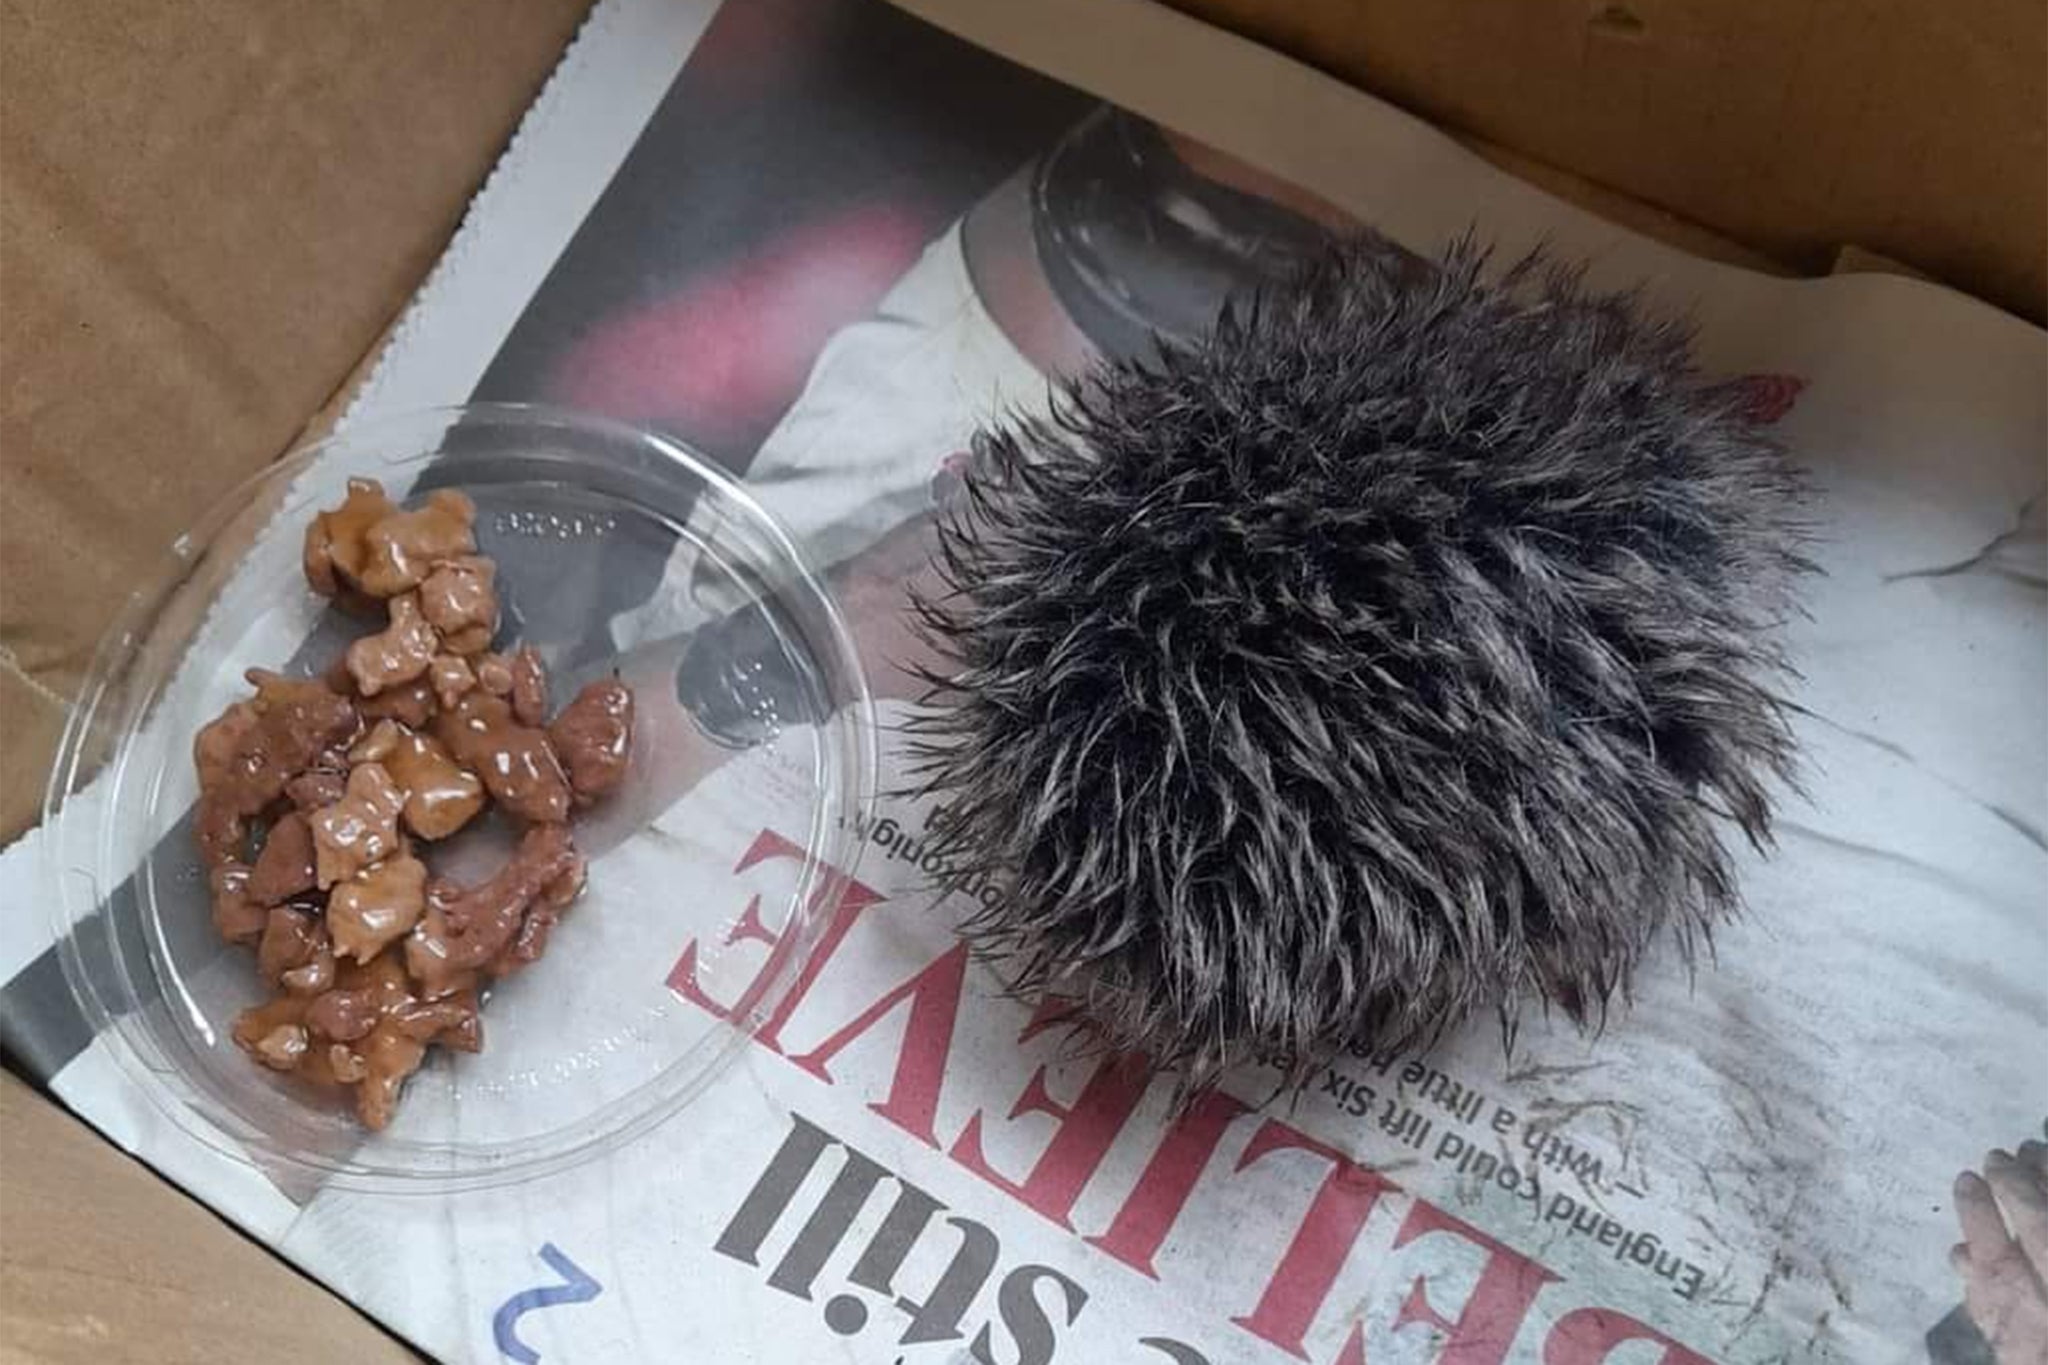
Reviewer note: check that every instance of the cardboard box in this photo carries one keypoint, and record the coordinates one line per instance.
(209, 215)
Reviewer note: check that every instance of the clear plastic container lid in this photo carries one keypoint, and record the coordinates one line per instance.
(711, 868)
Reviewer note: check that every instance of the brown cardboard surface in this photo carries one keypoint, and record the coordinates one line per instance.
(1918, 129)
(1617, 207)
(207, 214)
(101, 1261)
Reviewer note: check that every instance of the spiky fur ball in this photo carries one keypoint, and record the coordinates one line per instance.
(1393, 654)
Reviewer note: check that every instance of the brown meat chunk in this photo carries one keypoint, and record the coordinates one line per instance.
(313, 976)
(494, 674)
(305, 707)
(237, 917)
(317, 787)
(411, 705)
(221, 835)
(360, 829)
(462, 935)
(281, 1049)
(247, 754)
(397, 654)
(285, 866)
(363, 992)
(541, 917)
(272, 1032)
(441, 796)
(342, 1065)
(335, 545)
(372, 1029)
(316, 557)
(300, 720)
(593, 737)
(460, 600)
(376, 907)
(400, 550)
(517, 764)
(344, 1015)
(376, 745)
(450, 676)
(463, 1024)
(226, 748)
(563, 891)
(381, 990)
(254, 1024)
(291, 938)
(276, 1036)
(389, 1056)
(474, 640)
(443, 896)
(529, 687)
(433, 1021)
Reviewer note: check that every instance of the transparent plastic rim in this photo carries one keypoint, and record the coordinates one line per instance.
(82, 851)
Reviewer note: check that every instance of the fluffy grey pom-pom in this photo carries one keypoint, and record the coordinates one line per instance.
(1397, 652)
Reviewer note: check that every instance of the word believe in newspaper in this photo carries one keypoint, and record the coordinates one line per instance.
(1286, 1282)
